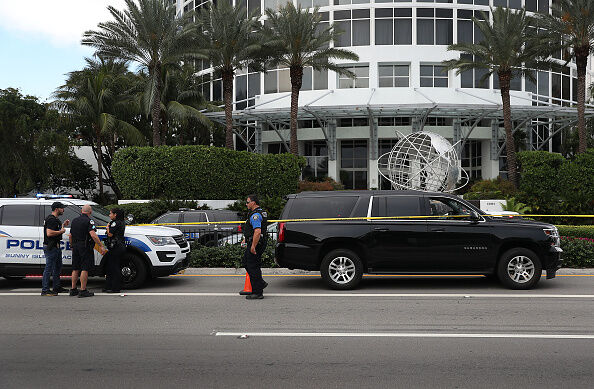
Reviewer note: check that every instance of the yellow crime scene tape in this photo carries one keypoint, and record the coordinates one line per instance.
(355, 218)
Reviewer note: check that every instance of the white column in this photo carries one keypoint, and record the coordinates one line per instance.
(373, 178)
(489, 167)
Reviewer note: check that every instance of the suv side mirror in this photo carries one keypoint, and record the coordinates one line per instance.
(129, 219)
(474, 216)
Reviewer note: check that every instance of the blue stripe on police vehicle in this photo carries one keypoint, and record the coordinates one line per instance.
(152, 251)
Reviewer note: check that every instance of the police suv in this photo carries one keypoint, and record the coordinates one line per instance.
(151, 251)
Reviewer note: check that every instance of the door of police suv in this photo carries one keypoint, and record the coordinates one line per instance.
(21, 239)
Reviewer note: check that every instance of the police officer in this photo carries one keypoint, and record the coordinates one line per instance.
(255, 239)
(82, 235)
(52, 235)
(116, 244)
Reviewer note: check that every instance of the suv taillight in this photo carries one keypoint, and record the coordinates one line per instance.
(239, 228)
(281, 232)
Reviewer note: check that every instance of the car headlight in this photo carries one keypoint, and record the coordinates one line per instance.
(553, 233)
(161, 240)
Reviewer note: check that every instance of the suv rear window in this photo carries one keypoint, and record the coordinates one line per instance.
(386, 206)
(322, 207)
(168, 218)
(19, 215)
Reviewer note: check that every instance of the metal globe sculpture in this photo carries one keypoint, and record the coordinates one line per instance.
(423, 161)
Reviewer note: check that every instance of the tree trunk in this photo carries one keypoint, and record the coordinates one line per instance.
(510, 146)
(296, 81)
(228, 99)
(156, 109)
(581, 60)
(99, 160)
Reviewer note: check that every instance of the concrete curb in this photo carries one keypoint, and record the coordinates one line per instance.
(280, 271)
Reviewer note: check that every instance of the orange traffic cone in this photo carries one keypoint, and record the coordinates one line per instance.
(247, 287)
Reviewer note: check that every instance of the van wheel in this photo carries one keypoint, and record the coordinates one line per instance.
(341, 269)
(519, 268)
(133, 270)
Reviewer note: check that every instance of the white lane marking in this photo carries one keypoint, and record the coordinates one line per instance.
(405, 295)
(402, 335)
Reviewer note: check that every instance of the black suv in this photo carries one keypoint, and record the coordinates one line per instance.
(452, 237)
(206, 234)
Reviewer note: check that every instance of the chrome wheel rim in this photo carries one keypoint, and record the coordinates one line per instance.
(341, 270)
(521, 269)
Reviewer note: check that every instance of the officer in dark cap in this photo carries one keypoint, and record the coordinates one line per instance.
(116, 243)
(83, 237)
(255, 239)
(52, 235)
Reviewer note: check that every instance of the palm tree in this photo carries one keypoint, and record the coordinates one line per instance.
(181, 100)
(570, 28)
(300, 41)
(229, 41)
(149, 34)
(95, 100)
(509, 49)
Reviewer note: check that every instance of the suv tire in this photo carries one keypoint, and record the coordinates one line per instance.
(519, 268)
(134, 271)
(341, 269)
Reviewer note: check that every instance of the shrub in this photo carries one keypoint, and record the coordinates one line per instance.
(539, 182)
(146, 212)
(576, 182)
(577, 252)
(497, 188)
(326, 184)
(202, 172)
(576, 231)
(226, 256)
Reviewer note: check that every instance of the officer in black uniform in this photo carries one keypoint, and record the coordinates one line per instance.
(255, 239)
(116, 245)
(83, 237)
(52, 235)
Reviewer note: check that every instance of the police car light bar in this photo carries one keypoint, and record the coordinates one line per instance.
(52, 196)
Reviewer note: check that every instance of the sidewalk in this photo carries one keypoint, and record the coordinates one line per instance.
(281, 271)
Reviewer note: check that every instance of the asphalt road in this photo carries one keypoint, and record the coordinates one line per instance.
(190, 331)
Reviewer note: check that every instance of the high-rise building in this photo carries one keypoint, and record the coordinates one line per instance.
(346, 124)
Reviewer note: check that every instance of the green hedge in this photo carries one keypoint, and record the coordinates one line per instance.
(202, 172)
(577, 252)
(539, 182)
(226, 256)
(576, 231)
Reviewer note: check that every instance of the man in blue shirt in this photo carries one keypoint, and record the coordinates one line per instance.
(254, 231)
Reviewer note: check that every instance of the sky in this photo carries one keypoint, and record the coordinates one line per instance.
(40, 41)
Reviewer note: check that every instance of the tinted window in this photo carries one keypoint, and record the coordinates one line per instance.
(168, 218)
(322, 207)
(396, 206)
(70, 213)
(194, 217)
(227, 217)
(442, 208)
(19, 215)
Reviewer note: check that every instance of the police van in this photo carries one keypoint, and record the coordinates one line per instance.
(151, 251)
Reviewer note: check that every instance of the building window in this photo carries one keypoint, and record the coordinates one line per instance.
(353, 164)
(434, 76)
(393, 75)
(434, 26)
(516, 4)
(247, 86)
(347, 2)
(251, 6)
(316, 157)
(471, 158)
(313, 3)
(274, 4)
(393, 26)
(279, 80)
(468, 32)
(355, 27)
(475, 2)
(561, 86)
(514, 84)
(394, 121)
(438, 121)
(361, 79)
(353, 122)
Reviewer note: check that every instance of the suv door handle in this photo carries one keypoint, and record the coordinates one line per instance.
(438, 230)
(380, 229)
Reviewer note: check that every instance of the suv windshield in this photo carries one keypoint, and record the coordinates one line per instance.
(100, 216)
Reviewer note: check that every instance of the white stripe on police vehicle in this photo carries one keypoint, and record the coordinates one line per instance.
(151, 251)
